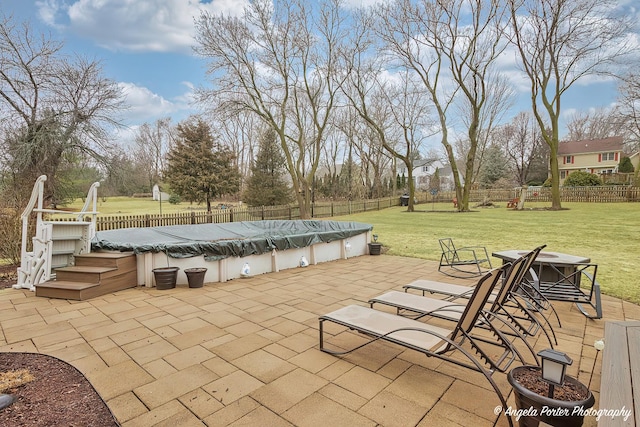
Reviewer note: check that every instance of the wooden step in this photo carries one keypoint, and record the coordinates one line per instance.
(124, 260)
(63, 289)
(98, 274)
(84, 273)
(81, 291)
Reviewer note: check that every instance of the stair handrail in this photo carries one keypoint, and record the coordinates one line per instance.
(35, 204)
(25, 256)
(92, 198)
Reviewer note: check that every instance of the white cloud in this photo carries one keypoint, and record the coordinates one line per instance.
(352, 4)
(146, 106)
(47, 11)
(134, 25)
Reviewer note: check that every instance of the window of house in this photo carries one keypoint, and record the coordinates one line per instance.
(563, 174)
(568, 159)
(608, 156)
(425, 169)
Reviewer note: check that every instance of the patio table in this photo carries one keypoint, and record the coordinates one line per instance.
(558, 277)
(545, 262)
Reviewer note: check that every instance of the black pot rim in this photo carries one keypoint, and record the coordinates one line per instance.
(547, 401)
(195, 270)
(165, 269)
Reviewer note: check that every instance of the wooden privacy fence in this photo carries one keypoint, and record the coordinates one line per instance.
(602, 194)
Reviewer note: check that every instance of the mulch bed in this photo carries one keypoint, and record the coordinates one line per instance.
(59, 395)
(8, 275)
(569, 392)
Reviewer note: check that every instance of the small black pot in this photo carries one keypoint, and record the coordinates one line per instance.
(195, 276)
(375, 248)
(166, 277)
(551, 411)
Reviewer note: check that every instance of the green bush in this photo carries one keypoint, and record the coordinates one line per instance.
(582, 179)
(174, 199)
(625, 165)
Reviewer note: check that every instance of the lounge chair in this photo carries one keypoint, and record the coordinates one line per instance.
(462, 262)
(420, 306)
(526, 311)
(433, 341)
(566, 286)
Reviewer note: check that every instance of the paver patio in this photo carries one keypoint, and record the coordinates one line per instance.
(245, 352)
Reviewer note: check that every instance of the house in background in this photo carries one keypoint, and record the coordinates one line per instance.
(424, 169)
(598, 156)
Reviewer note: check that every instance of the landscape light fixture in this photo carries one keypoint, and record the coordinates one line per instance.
(554, 367)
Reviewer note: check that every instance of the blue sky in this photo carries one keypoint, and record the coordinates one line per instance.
(145, 45)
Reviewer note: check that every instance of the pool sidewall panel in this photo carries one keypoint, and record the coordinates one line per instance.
(230, 268)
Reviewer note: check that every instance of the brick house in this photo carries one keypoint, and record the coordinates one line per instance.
(599, 156)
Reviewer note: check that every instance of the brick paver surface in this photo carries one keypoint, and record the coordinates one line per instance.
(245, 352)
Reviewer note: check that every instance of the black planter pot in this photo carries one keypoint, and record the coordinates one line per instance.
(166, 277)
(375, 248)
(195, 276)
(554, 412)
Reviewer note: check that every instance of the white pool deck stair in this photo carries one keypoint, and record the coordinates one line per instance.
(59, 262)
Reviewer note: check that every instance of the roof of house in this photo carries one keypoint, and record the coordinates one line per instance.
(613, 143)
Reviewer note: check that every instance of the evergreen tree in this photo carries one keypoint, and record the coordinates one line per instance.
(493, 166)
(434, 181)
(625, 165)
(266, 186)
(198, 170)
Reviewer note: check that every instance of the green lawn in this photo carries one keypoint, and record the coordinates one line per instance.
(606, 233)
(137, 206)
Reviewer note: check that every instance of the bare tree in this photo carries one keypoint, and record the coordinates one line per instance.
(152, 143)
(376, 161)
(241, 131)
(278, 61)
(394, 108)
(520, 140)
(596, 124)
(53, 107)
(629, 112)
(451, 46)
(560, 42)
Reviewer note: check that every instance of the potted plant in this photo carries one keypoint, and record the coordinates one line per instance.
(546, 394)
(375, 247)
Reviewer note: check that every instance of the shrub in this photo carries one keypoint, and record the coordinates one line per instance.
(582, 179)
(174, 199)
(10, 235)
(625, 165)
